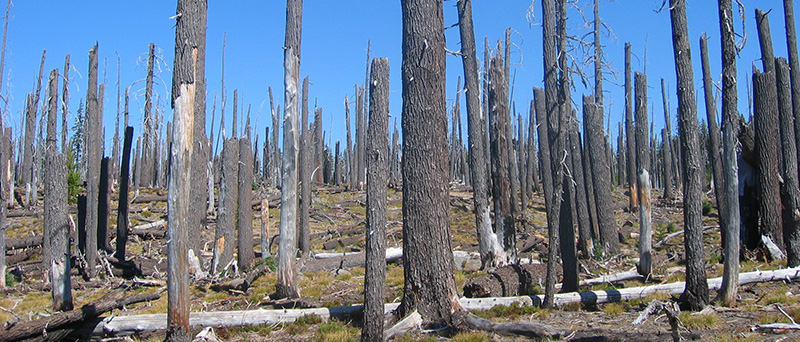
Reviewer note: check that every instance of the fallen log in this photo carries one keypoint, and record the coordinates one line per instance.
(24, 242)
(670, 236)
(148, 199)
(32, 329)
(22, 256)
(530, 329)
(507, 281)
(611, 278)
(23, 213)
(242, 284)
(151, 225)
(627, 294)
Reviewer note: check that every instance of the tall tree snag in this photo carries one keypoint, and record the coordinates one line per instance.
(695, 296)
(287, 244)
(428, 258)
(489, 247)
(630, 129)
(714, 135)
(501, 171)
(790, 192)
(377, 192)
(730, 119)
(189, 36)
(92, 133)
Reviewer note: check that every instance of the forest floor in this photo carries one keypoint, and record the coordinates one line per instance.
(337, 221)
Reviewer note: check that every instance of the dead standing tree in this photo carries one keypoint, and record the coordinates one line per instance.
(287, 245)
(695, 296)
(428, 259)
(730, 119)
(93, 155)
(304, 169)
(189, 38)
(790, 193)
(377, 191)
(224, 236)
(630, 130)
(244, 220)
(488, 245)
(56, 223)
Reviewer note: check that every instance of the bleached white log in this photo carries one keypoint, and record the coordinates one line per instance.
(156, 224)
(611, 278)
(405, 326)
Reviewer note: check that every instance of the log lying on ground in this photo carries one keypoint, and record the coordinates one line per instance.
(24, 242)
(627, 294)
(530, 329)
(463, 260)
(23, 213)
(243, 283)
(32, 329)
(670, 236)
(512, 280)
(611, 278)
(147, 199)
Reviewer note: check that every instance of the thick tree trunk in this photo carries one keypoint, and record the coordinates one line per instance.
(630, 130)
(146, 175)
(56, 222)
(730, 119)
(228, 197)
(504, 225)
(377, 189)
(767, 133)
(488, 244)
(790, 193)
(187, 86)
(244, 223)
(287, 245)
(601, 176)
(714, 135)
(695, 296)
(92, 133)
(428, 262)
(104, 206)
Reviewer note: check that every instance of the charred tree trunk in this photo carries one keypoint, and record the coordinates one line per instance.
(377, 192)
(122, 212)
(730, 119)
(64, 97)
(642, 136)
(667, 146)
(714, 135)
(317, 168)
(5, 183)
(245, 212)
(93, 155)
(187, 86)
(767, 133)
(504, 225)
(56, 224)
(228, 197)
(630, 130)
(428, 262)
(794, 66)
(104, 206)
(28, 150)
(287, 245)
(790, 193)
(533, 154)
(585, 241)
(695, 296)
(145, 177)
(488, 244)
(601, 175)
(303, 240)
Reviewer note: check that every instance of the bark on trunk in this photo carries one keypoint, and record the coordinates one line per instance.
(377, 190)
(92, 133)
(767, 133)
(585, 241)
(601, 175)
(667, 146)
(187, 88)
(122, 211)
(645, 225)
(287, 245)
(228, 197)
(501, 170)
(714, 135)
(730, 118)
(695, 296)
(488, 245)
(244, 226)
(429, 284)
(304, 169)
(630, 130)
(790, 193)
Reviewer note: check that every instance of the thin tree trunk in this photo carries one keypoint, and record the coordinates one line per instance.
(318, 146)
(245, 212)
(122, 211)
(186, 86)
(488, 244)
(228, 197)
(585, 241)
(93, 155)
(64, 97)
(645, 225)
(349, 152)
(794, 66)
(104, 206)
(730, 118)
(667, 146)
(642, 137)
(303, 240)
(790, 193)
(695, 295)
(714, 135)
(377, 190)
(601, 176)
(533, 159)
(630, 130)
(287, 245)
(428, 263)
(5, 183)
(147, 144)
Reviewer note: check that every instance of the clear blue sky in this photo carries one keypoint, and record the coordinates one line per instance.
(335, 35)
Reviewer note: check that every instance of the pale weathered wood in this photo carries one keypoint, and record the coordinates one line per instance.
(645, 224)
